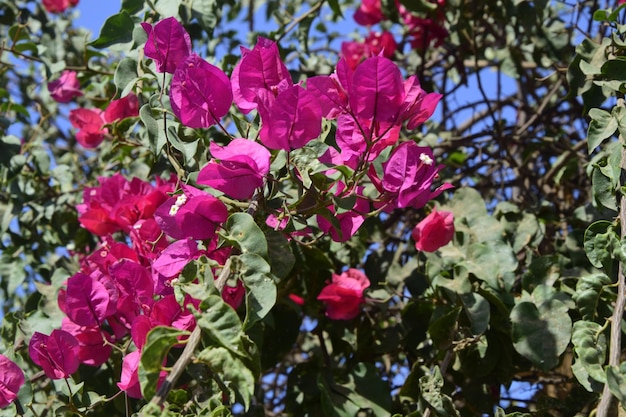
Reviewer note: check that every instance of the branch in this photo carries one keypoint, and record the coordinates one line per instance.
(190, 348)
(607, 400)
(195, 337)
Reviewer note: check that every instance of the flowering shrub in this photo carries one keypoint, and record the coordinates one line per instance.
(226, 226)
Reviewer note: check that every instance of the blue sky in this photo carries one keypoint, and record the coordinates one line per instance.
(93, 13)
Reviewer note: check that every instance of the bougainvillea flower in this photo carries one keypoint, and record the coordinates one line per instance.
(168, 44)
(89, 123)
(353, 136)
(238, 168)
(174, 258)
(166, 312)
(87, 301)
(408, 177)
(147, 239)
(58, 6)
(329, 93)
(122, 108)
(343, 297)
(296, 299)
(427, 31)
(200, 93)
(93, 350)
(259, 69)
(193, 214)
(56, 354)
(118, 204)
(377, 90)
(369, 13)
(435, 231)
(354, 52)
(233, 296)
(129, 379)
(65, 88)
(291, 120)
(381, 43)
(11, 380)
(134, 283)
(418, 105)
(349, 221)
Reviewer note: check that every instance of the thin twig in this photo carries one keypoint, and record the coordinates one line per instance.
(195, 337)
(190, 348)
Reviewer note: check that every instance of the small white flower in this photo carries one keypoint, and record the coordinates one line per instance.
(174, 209)
(180, 200)
(427, 160)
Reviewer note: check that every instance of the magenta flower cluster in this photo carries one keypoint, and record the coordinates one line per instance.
(150, 231)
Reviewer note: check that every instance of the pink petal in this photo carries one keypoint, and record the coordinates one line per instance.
(377, 90)
(330, 94)
(174, 258)
(11, 380)
(200, 93)
(87, 300)
(168, 44)
(294, 119)
(261, 69)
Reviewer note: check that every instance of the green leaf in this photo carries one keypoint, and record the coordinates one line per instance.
(616, 378)
(442, 327)
(469, 204)
(588, 293)
(132, 6)
(419, 6)
(242, 230)
(158, 343)
(117, 30)
(600, 239)
(334, 6)
(307, 160)
(430, 388)
(541, 333)
(363, 390)
(125, 74)
(187, 148)
(613, 69)
(222, 324)
(590, 348)
(167, 8)
(601, 15)
(205, 11)
(603, 190)
(232, 373)
(281, 257)
(602, 126)
(154, 130)
(478, 311)
(10, 147)
(261, 288)
(493, 262)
